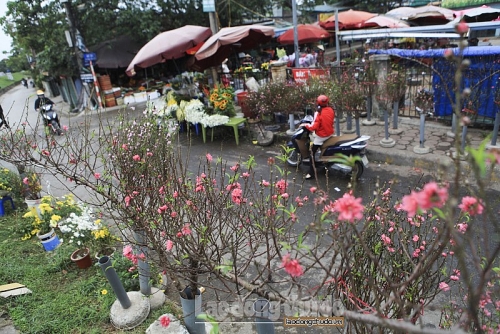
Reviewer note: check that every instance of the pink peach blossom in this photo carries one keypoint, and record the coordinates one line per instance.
(127, 200)
(415, 238)
(410, 204)
(443, 286)
(209, 157)
(97, 176)
(265, 183)
(136, 157)
(385, 239)
(186, 229)
(236, 196)
(433, 196)
(292, 267)
(471, 205)
(349, 208)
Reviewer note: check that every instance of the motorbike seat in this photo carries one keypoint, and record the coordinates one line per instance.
(337, 140)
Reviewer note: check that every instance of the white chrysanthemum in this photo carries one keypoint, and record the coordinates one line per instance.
(195, 111)
(215, 120)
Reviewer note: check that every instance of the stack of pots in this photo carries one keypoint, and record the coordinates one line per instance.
(105, 84)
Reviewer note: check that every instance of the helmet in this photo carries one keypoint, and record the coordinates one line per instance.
(322, 100)
(39, 92)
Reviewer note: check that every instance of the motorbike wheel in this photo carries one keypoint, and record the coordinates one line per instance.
(293, 158)
(56, 128)
(358, 170)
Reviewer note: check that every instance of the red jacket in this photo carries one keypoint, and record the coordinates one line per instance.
(323, 123)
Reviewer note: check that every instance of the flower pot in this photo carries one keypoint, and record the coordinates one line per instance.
(108, 251)
(50, 240)
(82, 258)
(32, 202)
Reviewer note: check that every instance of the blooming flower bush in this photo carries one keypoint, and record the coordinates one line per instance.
(32, 185)
(222, 100)
(47, 215)
(247, 230)
(80, 227)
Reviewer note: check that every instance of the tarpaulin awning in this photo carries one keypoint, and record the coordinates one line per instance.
(231, 40)
(168, 45)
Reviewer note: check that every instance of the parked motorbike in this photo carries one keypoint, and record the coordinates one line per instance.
(51, 119)
(349, 145)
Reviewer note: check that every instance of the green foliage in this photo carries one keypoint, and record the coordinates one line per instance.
(288, 97)
(64, 298)
(11, 183)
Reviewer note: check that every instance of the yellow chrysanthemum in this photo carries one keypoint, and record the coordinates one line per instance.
(97, 222)
(45, 208)
(104, 292)
(31, 213)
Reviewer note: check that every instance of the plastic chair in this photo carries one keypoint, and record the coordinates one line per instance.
(8, 198)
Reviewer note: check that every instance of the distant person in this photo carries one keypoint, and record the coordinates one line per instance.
(24, 82)
(3, 122)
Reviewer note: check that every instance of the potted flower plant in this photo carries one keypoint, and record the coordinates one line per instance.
(44, 219)
(103, 240)
(9, 182)
(79, 228)
(32, 188)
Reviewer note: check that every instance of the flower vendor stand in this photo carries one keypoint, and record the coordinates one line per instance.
(233, 122)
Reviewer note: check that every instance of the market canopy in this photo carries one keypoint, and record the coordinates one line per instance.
(383, 21)
(427, 13)
(478, 14)
(307, 33)
(231, 40)
(168, 45)
(115, 53)
(347, 20)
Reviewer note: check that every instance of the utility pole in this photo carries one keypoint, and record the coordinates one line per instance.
(209, 7)
(295, 33)
(74, 44)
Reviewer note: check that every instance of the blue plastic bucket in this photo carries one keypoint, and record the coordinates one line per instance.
(50, 240)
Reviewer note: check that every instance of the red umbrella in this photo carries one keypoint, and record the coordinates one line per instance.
(347, 20)
(229, 40)
(307, 33)
(168, 45)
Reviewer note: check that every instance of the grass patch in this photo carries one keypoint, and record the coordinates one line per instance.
(4, 82)
(65, 299)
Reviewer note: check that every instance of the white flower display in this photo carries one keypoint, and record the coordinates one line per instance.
(214, 120)
(195, 111)
(79, 227)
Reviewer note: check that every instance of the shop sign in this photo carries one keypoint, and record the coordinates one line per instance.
(87, 77)
(301, 75)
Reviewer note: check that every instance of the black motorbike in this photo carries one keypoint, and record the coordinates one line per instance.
(50, 119)
(348, 145)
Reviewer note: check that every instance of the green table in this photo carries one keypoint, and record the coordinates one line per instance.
(234, 122)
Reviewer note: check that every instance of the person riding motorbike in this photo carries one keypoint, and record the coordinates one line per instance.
(322, 127)
(41, 100)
